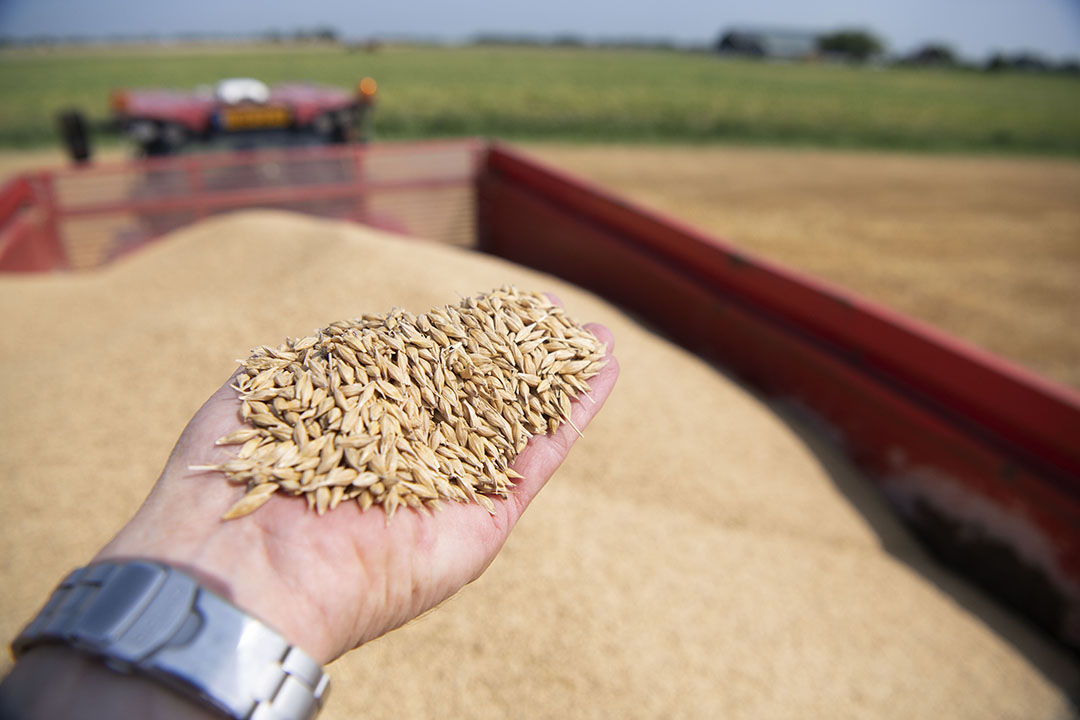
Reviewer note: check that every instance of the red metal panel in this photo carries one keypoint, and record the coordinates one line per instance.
(189, 109)
(15, 194)
(28, 238)
(307, 101)
(25, 247)
(935, 456)
(102, 211)
(202, 203)
(229, 159)
(1040, 419)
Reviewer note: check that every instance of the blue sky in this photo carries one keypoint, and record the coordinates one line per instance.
(975, 28)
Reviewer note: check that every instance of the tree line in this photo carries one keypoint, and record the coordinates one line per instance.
(858, 45)
(854, 45)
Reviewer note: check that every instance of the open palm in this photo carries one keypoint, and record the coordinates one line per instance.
(330, 583)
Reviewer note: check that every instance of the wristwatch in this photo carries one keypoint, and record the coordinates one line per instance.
(149, 618)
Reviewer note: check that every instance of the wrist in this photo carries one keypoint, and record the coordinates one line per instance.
(232, 561)
(60, 683)
(145, 618)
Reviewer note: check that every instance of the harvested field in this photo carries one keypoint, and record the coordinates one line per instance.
(701, 554)
(987, 249)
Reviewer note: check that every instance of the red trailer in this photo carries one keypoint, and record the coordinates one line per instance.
(980, 457)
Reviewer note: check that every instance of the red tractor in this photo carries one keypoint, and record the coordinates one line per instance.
(235, 114)
(269, 145)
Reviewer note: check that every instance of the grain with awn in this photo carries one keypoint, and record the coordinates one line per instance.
(701, 553)
(402, 409)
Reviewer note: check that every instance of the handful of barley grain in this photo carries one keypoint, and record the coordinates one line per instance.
(399, 409)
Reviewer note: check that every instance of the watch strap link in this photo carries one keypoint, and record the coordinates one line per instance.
(145, 617)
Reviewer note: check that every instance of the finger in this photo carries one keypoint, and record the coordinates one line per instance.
(219, 415)
(467, 538)
(603, 335)
(197, 446)
(544, 453)
(555, 299)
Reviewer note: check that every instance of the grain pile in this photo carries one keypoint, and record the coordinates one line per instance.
(398, 409)
(700, 554)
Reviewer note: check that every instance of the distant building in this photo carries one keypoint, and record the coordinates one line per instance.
(932, 55)
(775, 44)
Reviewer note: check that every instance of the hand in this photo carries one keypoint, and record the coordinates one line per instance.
(334, 582)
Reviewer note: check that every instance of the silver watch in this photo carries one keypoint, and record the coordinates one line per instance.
(141, 616)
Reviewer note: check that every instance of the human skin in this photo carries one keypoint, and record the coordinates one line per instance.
(328, 583)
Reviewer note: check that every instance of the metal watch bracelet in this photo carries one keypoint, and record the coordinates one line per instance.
(149, 618)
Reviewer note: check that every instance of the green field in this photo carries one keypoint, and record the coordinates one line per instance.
(588, 94)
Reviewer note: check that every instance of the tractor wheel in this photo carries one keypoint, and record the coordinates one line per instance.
(75, 135)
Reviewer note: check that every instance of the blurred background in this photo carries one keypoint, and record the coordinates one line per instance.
(841, 73)
(921, 154)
